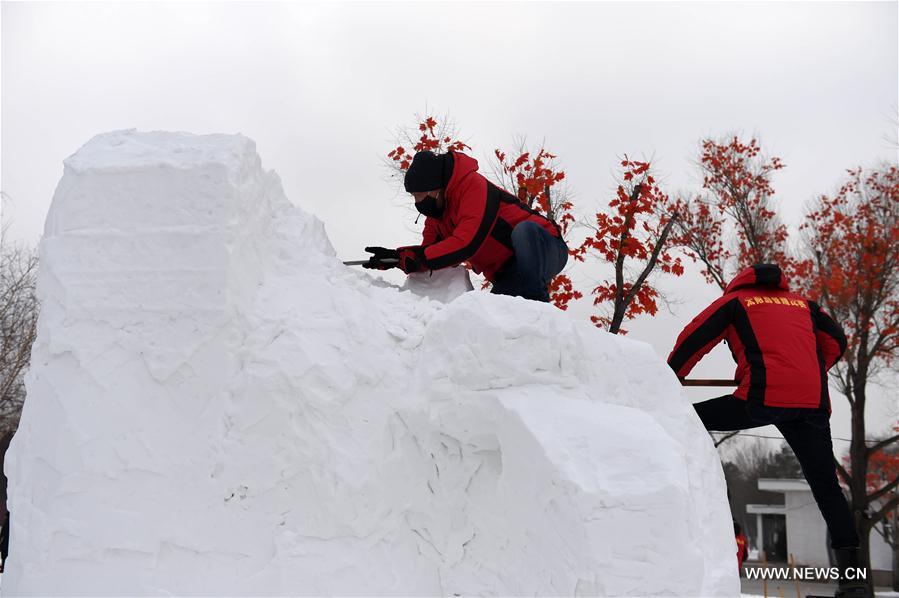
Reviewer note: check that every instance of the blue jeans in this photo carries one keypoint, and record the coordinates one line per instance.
(538, 258)
(807, 431)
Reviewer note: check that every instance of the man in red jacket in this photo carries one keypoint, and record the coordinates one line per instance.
(469, 219)
(783, 345)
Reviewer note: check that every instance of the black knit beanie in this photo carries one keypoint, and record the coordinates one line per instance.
(428, 171)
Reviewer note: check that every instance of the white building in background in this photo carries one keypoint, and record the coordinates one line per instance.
(805, 531)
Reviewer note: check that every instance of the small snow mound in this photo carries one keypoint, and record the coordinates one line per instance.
(218, 406)
(439, 285)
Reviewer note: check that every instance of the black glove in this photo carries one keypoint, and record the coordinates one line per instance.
(382, 258)
(412, 259)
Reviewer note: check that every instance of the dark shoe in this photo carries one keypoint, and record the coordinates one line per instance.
(850, 587)
(853, 589)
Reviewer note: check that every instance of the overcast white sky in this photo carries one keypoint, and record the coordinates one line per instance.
(321, 87)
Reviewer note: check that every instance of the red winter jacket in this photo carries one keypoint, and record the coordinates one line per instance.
(476, 225)
(783, 344)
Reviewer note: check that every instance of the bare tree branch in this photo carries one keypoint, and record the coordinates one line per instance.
(884, 490)
(725, 438)
(882, 444)
(18, 327)
(881, 513)
(842, 471)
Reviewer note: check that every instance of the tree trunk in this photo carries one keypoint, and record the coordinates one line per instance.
(895, 563)
(617, 315)
(864, 554)
(858, 457)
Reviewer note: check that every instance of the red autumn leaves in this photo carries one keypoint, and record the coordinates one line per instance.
(632, 235)
(433, 138)
(731, 223)
(852, 247)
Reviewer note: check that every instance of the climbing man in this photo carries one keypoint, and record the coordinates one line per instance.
(783, 345)
(468, 218)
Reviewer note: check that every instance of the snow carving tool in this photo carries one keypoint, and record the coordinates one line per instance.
(385, 262)
(700, 382)
(382, 258)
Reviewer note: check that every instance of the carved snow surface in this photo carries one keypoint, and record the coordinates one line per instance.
(217, 406)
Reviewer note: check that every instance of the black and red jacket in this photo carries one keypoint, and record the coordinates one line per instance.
(476, 225)
(783, 344)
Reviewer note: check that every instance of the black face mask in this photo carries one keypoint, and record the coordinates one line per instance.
(428, 207)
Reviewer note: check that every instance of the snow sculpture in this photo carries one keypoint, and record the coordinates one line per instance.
(218, 406)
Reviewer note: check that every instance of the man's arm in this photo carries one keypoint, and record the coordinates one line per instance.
(430, 234)
(828, 334)
(478, 210)
(701, 335)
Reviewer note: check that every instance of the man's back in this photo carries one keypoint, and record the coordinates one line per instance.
(783, 343)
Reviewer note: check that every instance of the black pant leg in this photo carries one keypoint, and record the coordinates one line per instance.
(809, 437)
(724, 414)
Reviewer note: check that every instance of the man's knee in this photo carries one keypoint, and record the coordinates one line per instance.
(524, 230)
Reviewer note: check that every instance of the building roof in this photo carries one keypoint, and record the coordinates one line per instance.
(783, 485)
(766, 509)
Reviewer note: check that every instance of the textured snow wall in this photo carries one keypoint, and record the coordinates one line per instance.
(217, 405)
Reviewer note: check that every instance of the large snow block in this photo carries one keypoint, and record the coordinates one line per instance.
(217, 406)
